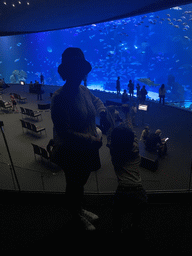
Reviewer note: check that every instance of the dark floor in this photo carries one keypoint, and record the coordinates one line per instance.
(32, 220)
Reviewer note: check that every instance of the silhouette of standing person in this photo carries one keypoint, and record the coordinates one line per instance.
(162, 92)
(38, 90)
(131, 88)
(138, 90)
(73, 112)
(143, 94)
(42, 78)
(118, 87)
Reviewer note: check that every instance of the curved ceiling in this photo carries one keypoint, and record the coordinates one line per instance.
(28, 16)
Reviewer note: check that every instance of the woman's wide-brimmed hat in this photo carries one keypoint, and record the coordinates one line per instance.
(73, 63)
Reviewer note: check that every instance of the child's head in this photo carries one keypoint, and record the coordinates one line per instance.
(122, 137)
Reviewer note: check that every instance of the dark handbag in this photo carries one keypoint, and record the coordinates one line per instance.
(55, 155)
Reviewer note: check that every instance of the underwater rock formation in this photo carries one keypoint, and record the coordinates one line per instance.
(18, 76)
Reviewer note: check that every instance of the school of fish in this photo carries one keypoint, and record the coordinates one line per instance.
(129, 48)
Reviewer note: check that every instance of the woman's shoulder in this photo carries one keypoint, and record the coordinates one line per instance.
(83, 88)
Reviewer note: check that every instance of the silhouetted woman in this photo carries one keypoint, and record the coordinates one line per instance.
(73, 112)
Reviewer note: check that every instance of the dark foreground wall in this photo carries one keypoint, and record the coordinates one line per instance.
(40, 221)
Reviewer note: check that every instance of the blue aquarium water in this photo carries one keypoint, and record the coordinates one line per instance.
(157, 46)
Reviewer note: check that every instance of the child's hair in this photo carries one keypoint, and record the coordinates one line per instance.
(122, 138)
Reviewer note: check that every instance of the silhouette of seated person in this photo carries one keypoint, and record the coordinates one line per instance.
(128, 119)
(125, 97)
(154, 143)
(144, 134)
(31, 87)
(3, 84)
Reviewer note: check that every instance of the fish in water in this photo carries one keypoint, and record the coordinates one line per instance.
(136, 63)
(186, 37)
(147, 81)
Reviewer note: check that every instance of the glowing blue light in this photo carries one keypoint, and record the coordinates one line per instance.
(135, 46)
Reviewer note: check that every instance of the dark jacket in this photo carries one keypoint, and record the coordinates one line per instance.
(152, 141)
(73, 117)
